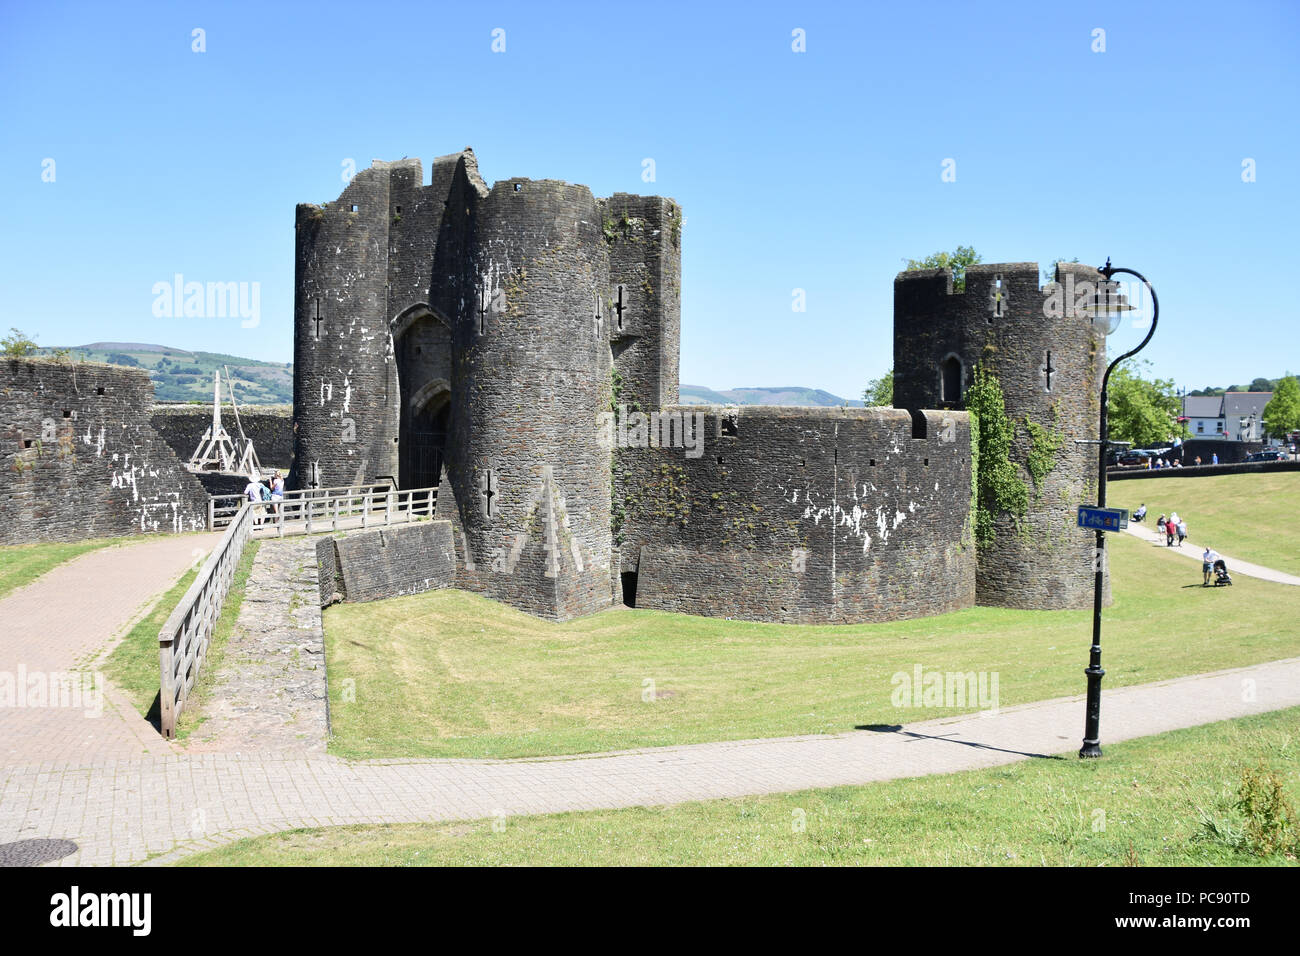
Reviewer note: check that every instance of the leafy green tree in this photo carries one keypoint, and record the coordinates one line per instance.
(1282, 413)
(880, 391)
(17, 345)
(1142, 411)
(1261, 385)
(955, 261)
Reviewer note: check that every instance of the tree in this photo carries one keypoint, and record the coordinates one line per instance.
(1261, 385)
(17, 345)
(1049, 271)
(880, 391)
(1282, 413)
(1142, 411)
(955, 261)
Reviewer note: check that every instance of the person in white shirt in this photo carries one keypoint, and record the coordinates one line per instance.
(1207, 564)
(253, 492)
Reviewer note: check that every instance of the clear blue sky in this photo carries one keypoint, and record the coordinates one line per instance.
(818, 171)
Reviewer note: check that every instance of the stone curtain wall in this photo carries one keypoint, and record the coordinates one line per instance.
(1045, 562)
(387, 562)
(803, 515)
(80, 459)
(270, 427)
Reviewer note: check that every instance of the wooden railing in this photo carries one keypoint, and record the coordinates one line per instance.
(184, 639)
(314, 510)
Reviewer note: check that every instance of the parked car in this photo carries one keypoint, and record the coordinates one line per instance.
(1268, 454)
(1134, 458)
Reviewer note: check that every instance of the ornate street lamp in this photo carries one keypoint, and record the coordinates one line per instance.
(1106, 310)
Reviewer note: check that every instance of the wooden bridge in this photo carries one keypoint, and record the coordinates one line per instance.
(184, 639)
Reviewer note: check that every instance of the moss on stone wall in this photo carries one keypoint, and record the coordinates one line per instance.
(1044, 445)
(999, 489)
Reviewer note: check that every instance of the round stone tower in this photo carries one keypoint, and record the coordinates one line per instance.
(1049, 363)
(346, 405)
(530, 379)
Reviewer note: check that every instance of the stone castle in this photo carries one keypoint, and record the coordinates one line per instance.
(518, 347)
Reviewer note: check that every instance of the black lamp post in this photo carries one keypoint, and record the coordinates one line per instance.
(1106, 310)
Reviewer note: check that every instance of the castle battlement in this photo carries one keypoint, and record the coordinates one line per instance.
(518, 346)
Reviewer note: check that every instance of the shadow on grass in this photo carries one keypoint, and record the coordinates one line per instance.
(898, 729)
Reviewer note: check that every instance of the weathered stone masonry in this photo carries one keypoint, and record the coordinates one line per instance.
(803, 515)
(1049, 366)
(475, 337)
(269, 426)
(79, 458)
(496, 318)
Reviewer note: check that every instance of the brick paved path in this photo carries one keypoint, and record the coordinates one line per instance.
(126, 810)
(124, 795)
(62, 622)
(1194, 552)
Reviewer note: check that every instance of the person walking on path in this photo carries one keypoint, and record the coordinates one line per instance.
(1182, 532)
(1160, 524)
(1207, 565)
(1214, 460)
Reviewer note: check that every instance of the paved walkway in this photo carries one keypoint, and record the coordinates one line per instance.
(52, 632)
(126, 810)
(1194, 552)
(269, 692)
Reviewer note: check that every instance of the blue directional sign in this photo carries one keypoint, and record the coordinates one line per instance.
(1102, 519)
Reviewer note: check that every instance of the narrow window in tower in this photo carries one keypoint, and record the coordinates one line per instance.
(352, 209)
(489, 491)
(317, 319)
(1048, 370)
(950, 376)
(619, 306)
(999, 295)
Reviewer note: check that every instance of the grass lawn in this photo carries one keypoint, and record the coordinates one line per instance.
(1245, 516)
(451, 674)
(21, 564)
(133, 664)
(1145, 803)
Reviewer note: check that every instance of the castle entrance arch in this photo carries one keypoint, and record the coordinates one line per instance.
(422, 347)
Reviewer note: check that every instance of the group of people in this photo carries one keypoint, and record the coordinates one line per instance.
(1172, 527)
(262, 496)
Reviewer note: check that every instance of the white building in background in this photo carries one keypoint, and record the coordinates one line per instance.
(1234, 416)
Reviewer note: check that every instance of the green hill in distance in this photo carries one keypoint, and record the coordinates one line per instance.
(788, 395)
(182, 376)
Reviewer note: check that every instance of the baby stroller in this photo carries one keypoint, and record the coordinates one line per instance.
(1221, 575)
